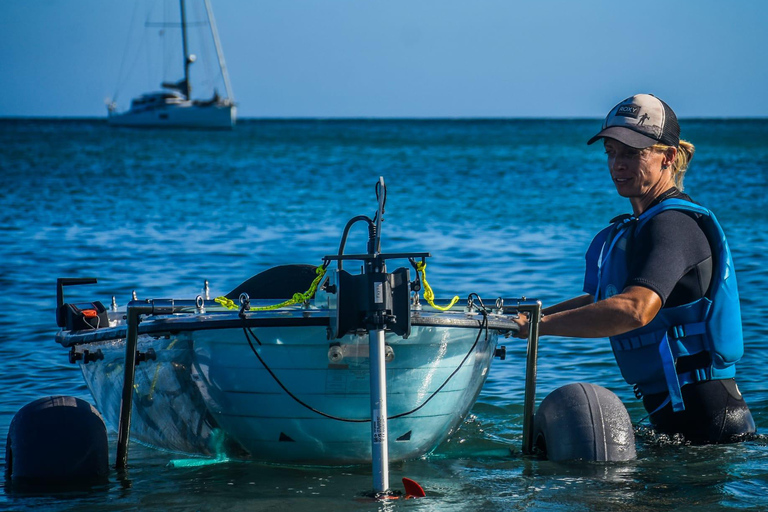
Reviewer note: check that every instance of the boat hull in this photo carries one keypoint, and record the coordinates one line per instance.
(205, 392)
(183, 115)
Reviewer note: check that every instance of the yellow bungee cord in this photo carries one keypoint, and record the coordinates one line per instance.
(429, 295)
(421, 268)
(296, 299)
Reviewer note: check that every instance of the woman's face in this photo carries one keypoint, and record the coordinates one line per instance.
(637, 173)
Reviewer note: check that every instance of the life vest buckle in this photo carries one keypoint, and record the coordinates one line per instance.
(677, 332)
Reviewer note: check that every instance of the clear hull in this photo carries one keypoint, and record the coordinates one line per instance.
(205, 392)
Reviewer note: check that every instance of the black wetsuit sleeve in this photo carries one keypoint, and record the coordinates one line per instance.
(672, 257)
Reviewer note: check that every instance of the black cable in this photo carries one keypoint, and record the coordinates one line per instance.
(246, 330)
(378, 218)
(345, 233)
(483, 326)
(377, 189)
(484, 310)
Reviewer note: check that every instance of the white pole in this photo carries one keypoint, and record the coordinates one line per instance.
(379, 447)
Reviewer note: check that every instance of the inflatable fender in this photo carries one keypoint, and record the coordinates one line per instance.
(57, 440)
(583, 422)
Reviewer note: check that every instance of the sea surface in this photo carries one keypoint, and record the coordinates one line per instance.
(506, 207)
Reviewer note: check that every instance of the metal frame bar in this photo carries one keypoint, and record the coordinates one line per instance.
(533, 308)
(134, 310)
(126, 403)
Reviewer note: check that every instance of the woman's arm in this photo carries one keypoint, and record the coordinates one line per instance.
(573, 303)
(634, 307)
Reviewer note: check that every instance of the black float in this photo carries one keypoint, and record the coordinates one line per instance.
(57, 441)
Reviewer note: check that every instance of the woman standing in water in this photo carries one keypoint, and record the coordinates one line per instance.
(660, 284)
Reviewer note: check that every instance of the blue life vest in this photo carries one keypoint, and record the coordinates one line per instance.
(646, 356)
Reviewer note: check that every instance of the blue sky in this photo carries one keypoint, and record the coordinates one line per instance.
(408, 58)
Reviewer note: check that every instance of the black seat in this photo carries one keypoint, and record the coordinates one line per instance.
(279, 282)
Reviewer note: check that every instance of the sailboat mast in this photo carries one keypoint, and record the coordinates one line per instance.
(219, 53)
(187, 60)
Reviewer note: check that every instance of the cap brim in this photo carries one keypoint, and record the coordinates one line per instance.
(626, 136)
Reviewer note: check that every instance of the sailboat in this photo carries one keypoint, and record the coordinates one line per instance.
(174, 106)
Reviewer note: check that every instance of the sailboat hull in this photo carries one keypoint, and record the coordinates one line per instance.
(179, 115)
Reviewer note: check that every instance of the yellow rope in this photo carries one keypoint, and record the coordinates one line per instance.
(296, 299)
(157, 370)
(227, 303)
(429, 295)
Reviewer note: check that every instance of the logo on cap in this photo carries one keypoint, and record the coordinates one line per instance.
(628, 111)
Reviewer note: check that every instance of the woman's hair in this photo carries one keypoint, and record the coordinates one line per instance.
(682, 160)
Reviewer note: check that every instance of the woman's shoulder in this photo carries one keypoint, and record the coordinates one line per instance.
(673, 213)
(677, 227)
(672, 218)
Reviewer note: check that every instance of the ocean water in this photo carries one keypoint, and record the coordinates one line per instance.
(506, 207)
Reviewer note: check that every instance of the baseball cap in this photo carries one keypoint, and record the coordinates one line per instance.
(641, 121)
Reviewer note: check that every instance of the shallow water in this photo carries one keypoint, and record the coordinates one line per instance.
(506, 208)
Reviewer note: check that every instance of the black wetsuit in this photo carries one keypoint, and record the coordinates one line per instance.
(672, 257)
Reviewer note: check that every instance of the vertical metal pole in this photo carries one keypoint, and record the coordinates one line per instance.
(529, 405)
(379, 446)
(126, 403)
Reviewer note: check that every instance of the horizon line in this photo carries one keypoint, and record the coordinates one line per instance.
(384, 118)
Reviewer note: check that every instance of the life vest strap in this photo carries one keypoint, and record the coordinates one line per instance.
(674, 333)
(670, 375)
(675, 381)
(678, 332)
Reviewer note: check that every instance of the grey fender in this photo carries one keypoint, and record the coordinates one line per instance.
(584, 421)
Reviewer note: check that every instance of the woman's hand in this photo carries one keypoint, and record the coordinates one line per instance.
(522, 321)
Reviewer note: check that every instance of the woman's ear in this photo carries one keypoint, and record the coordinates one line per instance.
(669, 157)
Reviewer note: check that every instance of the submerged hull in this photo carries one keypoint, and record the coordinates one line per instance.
(204, 391)
(184, 115)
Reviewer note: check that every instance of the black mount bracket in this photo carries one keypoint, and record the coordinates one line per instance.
(374, 299)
